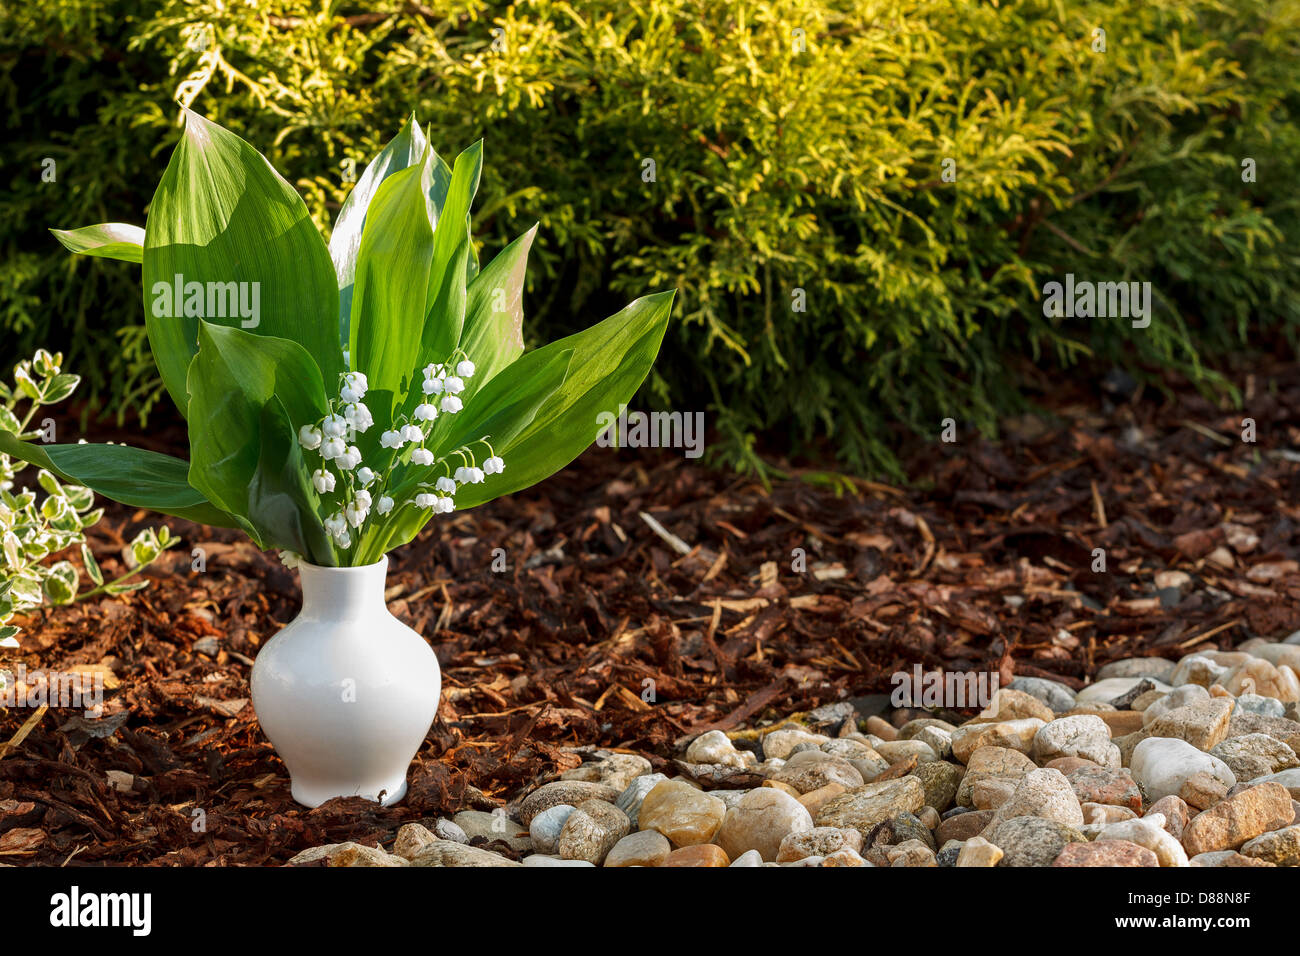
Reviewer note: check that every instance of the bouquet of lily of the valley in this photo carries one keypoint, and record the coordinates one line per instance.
(339, 397)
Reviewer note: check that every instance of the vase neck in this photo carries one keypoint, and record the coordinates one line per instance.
(343, 593)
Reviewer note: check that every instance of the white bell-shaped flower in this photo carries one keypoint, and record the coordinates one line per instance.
(451, 404)
(425, 500)
(432, 386)
(350, 459)
(365, 476)
(358, 416)
(310, 437)
(446, 485)
(453, 385)
(425, 413)
(465, 369)
(392, 439)
(494, 466)
(323, 481)
(332, 448)
(334, 426)
(385, 504)
(421, 456)
(355, 513)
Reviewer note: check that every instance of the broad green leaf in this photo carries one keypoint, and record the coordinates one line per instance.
(249, 395)
(238, 236)
(446, 317)
(494, 311)
(610, 360)
(111, 240)
(388, 302)
(452, 226)
(133, 476)
(403, 150)
(284, 506)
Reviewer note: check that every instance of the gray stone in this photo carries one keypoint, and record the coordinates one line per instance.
(449, 853)
(615, 770)
(1032, 841)
(546, 826)
(591, 831)
(1287, 778)
(1267, 706)
(1052, 693)
(940, 780)
(630, 800)
(868, 805)
(542, 859)
(1178, 697)
(1042, 793)
(572, 792)
(494, 826)
(1255, 755)
(1156, 668)
(1104, 691)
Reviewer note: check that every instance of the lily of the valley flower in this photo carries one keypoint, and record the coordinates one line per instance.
(334, 426)
(323, 481)
(425, 413)
(392, 439)
(494, 466)
(350, 459)
(446, 485)
(385, 505)
(421, 456)
(366, 476)
(332, 448)
(451, 404)
(310, 437)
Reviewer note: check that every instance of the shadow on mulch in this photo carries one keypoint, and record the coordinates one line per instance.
(601, 632)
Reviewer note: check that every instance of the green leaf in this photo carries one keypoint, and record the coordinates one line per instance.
(59, 388)
(388, 301)
(110, 240)
(452, 231)
(61, 582)
(446, 317)
(126, 587)
(245, 458)
(224, 218)
(609, 362)
(403, 150)
(493, 337)
(132, 476)
(93, 570)
(9, 421)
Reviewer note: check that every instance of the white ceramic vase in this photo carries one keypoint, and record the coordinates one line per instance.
(346, 692)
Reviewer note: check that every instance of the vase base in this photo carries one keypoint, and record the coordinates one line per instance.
(313, 797)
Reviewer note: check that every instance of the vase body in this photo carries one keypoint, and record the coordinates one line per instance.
(346, 692)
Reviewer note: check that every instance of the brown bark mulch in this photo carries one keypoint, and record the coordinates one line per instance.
(601, 632)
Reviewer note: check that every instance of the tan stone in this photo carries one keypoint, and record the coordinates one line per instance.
(684, 815)
(910, 853)
(1202, 790)
(1233, 821)
(882, 728)
(785, 787)
(844, 857)
(702, 854)
(978, 851)
(1106, 853)
(1202, 724)
(411, 839)
(644, 848)
(1008, 704)
(816, 799)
